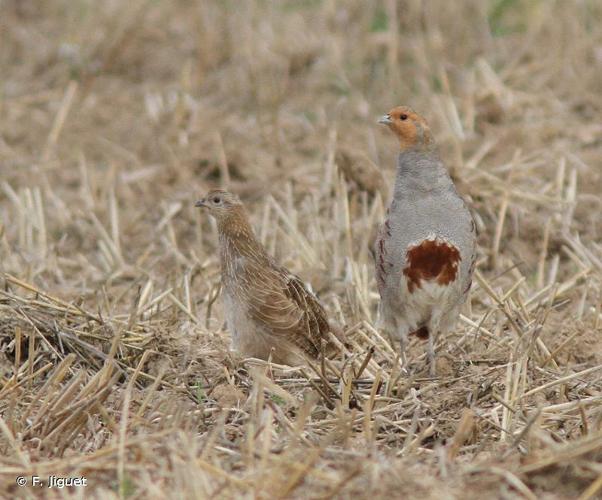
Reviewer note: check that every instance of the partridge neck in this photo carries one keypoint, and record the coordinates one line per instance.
(420, 171)
(236, 237)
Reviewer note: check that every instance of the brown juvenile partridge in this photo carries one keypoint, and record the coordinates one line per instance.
(268, 309)
(426, 248)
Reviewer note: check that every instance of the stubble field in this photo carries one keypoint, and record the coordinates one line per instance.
(114, 357)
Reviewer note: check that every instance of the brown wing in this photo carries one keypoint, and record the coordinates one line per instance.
(473, 257)
(315, 315)
(383, 234)
(279, 302)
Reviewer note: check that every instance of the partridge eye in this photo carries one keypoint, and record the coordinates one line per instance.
(403, 117)
(216, 200)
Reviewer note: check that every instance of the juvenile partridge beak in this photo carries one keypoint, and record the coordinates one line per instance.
(385, 120)
(201, 203)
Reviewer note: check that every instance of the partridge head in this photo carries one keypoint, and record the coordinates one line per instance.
(226, 208)
(219, 203)
(409, 127)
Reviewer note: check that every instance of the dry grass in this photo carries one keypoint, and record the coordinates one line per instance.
(113, 356)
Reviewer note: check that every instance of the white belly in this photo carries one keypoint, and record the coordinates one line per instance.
(432, 305)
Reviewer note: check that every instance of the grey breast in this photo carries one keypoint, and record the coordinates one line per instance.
(425, 204)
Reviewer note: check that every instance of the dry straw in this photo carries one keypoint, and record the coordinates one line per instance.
(114, 360)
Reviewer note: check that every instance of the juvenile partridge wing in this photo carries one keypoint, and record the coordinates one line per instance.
(280, 303)
(317, 324)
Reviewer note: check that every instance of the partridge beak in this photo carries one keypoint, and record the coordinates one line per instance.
(201, 203)
(385, 120)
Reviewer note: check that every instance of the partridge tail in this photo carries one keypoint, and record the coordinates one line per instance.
(421, 333)
(330, 348)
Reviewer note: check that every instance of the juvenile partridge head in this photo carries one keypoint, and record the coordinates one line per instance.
(409, 127)
(232, 220)
(219, 203)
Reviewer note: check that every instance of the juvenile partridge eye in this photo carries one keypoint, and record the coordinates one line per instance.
(216, 200)
(403, 117)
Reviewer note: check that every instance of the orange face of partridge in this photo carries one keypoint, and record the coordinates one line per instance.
(409, 127)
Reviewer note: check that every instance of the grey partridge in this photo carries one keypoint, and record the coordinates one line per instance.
(426, 248)
(268, 309)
